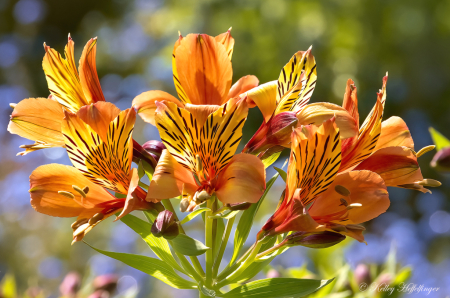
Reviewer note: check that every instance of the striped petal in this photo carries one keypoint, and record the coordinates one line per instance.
(365, 187)
(228, 42)
(394, 132)
(201, 112)
(38, 119)
(350, 103)
(243, 85)
(45, 183)
(145, 104)
(265, 97)
(62, 77)
(88, 73)
(296, 82)
(316, 113)
(105, 162)
(203, 69)
(169, 179)
(315, 159)
(368, 136)
(214, 143)
(242, 180)
(180, 91)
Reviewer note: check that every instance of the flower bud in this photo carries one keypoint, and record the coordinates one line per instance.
(165, 225)
(154, 147)
(442, 159)
(70, 285)
(273, 273)
(315, 240)
(277, 131)
(362, 274)
(106, 283)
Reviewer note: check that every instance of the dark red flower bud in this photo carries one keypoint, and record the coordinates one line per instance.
(165, 225)
(442, 159)
(315, 240)
(277, 131)
(154, 147)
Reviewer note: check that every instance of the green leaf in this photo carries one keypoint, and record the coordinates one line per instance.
(188, 246)
(246, 221)
(154, 267)
(120, 195)
(205, 291)
(158, 245)
(439, 140)
(277, 288)
(8, 287)
(282, 173)
(193, 214)
(227, 214)
(267, 162)
(141, 171)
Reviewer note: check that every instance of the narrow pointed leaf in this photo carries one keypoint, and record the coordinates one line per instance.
(246, 221)
(439, 140)
(277, 288)
(188, 246)
(282, 173)
(158, 245)
(154, 267)
(193, 215)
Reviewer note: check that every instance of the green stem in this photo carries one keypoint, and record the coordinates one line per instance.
(194, 260)
(188, 267)
(270, 250)
(241, 268)
(223, 245)
(231, 267)
(209, 243)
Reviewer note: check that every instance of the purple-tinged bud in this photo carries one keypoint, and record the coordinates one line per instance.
(100, 294)
(273, 273)
(106, 282)
(442, 159)
(362, 274)
(384, 279)
(315, 240)
(276, 132)
(165, 225)
(70, 285)
(154, 147)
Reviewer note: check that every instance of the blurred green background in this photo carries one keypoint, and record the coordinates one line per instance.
(351, 39)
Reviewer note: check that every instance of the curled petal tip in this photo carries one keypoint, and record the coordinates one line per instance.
(179, 33)
(230, 29)
(69, 37)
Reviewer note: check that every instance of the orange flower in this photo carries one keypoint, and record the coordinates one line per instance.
(284, 105)
(317, 198)
(199, 161)
(202, 75)
(39, 119)
(98, 139)
(386, 148)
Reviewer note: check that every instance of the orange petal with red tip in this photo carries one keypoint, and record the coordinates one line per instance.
(62, 77)
(38, 119)
(204, 69)
(228, 42)
(145, 104)
(242, 180)
(88, 73)
(394, 132)
(45, 183)
(99, 116)
(396, 165)
(366, 188)
(317, 113)
(169, 179)
(243, 85)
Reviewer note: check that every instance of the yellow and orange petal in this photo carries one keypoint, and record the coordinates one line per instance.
(145, 104)
(88, 73)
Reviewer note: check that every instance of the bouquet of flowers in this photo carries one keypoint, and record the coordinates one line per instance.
(336, 179)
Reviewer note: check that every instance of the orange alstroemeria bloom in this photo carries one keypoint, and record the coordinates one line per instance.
(40, 119)
(202, 74)
(284, 105)
(98, 139)
(199, 160)
(386, 148)
(318, 198)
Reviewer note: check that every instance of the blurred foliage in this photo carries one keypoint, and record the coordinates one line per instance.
(350, 38)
